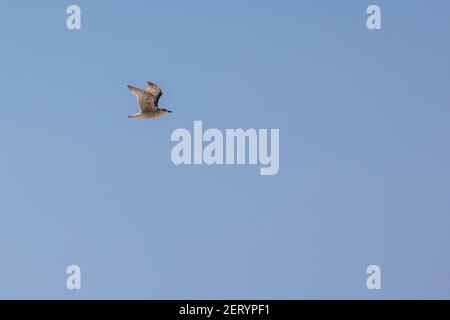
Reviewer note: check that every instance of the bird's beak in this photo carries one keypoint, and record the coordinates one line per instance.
(169, 111)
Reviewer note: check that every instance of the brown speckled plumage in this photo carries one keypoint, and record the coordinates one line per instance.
(148, 101)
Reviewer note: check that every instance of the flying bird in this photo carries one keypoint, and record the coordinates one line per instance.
(148, 102)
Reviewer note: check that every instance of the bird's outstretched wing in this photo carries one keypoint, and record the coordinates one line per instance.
(154, 90)
(147, 102)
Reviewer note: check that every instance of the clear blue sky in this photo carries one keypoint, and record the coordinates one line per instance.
(364, 150)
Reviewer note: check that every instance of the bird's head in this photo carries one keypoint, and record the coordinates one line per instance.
(166, 111)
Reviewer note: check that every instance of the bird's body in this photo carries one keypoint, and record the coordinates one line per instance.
(147, 115)
(148, 102)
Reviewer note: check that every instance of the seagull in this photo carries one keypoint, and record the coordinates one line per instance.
(148, 102)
